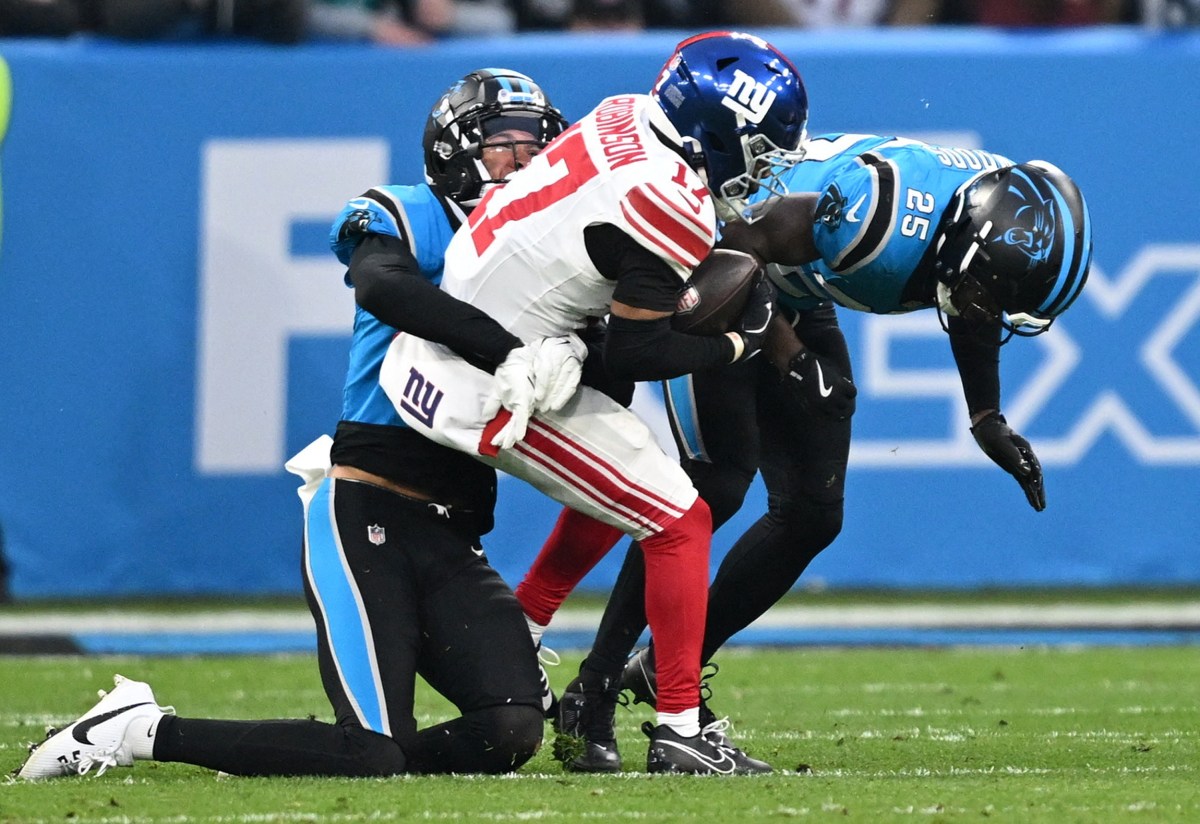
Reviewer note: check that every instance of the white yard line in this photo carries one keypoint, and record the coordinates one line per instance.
(914, 616)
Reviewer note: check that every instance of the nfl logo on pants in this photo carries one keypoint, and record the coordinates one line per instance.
(375, 534)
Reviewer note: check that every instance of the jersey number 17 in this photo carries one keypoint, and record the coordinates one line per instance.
(569, 167)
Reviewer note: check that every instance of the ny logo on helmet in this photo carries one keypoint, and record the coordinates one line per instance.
(748, 98)
(1034, 232)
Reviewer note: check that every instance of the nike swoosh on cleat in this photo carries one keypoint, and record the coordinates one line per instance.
(717, 766)
(850, 215)
(79, 733)
(821, 387)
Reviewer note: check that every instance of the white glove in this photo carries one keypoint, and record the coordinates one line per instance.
(538, 377)
(557, 368)
(513, 388)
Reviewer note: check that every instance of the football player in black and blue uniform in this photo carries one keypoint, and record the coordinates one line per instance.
(394, 570)
(874, 224)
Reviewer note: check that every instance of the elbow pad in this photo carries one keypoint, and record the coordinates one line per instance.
(650, 350)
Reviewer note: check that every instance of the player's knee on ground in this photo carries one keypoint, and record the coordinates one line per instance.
(508, 736)
(372, 754)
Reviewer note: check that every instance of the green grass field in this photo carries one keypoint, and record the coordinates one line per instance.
(987, 734)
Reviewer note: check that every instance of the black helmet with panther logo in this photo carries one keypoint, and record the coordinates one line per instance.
(1014, 248)
(483, 103)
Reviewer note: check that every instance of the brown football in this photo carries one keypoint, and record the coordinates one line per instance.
(713, 299)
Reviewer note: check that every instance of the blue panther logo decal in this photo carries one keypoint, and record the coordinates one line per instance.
(356, 223)
(1034, 232)
(830, 207)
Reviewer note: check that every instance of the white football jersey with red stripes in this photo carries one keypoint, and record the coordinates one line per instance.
(522, 258)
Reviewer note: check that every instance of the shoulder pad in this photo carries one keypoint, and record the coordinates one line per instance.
(378, 211)
(856, 213)
(673, 217)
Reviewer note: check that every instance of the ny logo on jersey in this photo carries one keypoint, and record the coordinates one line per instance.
(421, 397)
(748, 98)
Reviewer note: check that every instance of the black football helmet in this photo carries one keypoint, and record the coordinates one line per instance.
(1014, 248)
(483, 103)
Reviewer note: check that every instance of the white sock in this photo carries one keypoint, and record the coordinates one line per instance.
(536, 630)
(686, 723)
(140, 735)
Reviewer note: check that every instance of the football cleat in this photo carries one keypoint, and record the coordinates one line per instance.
(585, 728)
(715, 733)
(547, 656)
(639, 678)
(98, 737)
(671, 752)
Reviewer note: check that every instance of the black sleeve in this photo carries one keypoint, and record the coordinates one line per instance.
(650, 350)
(595, 372)
(388, 284)
(647, 350)
(977, 353)
(643, 278)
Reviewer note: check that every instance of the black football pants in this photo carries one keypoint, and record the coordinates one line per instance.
(396, 589)
(744, 421)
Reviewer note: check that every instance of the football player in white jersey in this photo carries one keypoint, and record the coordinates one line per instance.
(610, 220)
(393, 561)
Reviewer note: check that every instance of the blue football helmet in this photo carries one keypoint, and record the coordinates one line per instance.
(742, 108)
(483, 103)
(1014, 248)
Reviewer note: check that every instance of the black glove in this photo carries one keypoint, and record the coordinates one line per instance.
(819, 386)
(1013, 454)
(756, 317)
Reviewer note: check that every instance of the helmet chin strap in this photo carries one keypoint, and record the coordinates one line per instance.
(944, 303)
(726, 212)
(1026, 326)
(694, 156)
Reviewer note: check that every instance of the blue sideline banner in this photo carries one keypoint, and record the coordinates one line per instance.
(173, 326)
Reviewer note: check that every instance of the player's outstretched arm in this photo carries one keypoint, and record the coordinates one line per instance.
(782, 232)
(977, 355)
(1013, 454)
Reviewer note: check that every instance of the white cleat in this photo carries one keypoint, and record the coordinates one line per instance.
(98, 737)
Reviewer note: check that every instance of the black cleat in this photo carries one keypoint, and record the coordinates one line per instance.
(638, 677)
(586, 738)
(715, 733)
(671, 752)
(640, 680)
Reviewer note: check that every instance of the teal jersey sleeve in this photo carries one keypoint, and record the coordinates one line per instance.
(412, 213)
(416, 215)
(881, 200)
